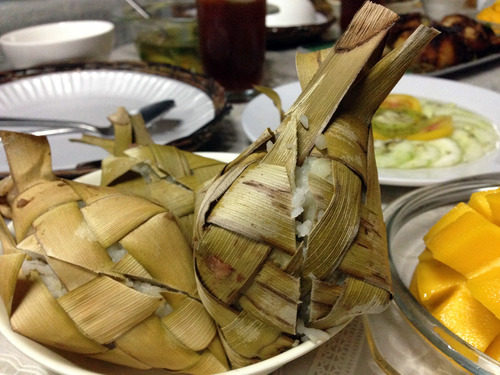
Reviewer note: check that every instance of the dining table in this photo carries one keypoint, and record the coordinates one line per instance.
(348, 351)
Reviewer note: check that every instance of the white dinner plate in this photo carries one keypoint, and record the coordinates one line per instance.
(260, 113)
(93, 95)
(79, 365)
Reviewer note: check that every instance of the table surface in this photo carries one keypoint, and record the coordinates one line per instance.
(347, 352)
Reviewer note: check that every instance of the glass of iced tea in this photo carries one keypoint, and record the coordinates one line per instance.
(232, 36)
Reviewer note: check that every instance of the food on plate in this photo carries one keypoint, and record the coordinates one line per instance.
(457, 277)
(289, 239)
(462, 39)
(85, 259)
(291, 233)
(413, 132)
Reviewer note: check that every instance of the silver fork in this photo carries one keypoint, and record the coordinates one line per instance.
(51, 127)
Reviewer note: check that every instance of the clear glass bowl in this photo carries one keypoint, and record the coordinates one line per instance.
(169, 36)
(406, 338)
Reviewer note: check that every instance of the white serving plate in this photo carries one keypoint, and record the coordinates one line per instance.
(80, 365)
(260, 113)
(93, 95)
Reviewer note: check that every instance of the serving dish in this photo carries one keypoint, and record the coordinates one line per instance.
(91, 92)
(58, 41)
(281, 37)
(261, 113)
(406, 337)
(66, 363)
(467, 66)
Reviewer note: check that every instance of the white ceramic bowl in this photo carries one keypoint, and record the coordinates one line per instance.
(291, 13)
(56, 42)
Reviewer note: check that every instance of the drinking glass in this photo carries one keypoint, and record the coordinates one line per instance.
(232, 36)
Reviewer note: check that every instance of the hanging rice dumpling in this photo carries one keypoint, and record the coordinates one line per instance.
(291, 233)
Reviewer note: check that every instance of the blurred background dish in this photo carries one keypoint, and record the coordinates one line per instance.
(437, 9)
(307, 28)
(59, 41)
(404, 6)
(462, 40)
(291, 13)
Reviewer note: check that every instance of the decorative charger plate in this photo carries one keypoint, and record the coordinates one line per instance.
(91, 92)
(260, 113)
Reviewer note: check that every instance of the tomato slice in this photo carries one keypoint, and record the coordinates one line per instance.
(436, 127)
(401, 101)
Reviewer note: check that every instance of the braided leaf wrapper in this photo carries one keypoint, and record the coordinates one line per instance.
(112, 271)
(160, 173)
(291, 233)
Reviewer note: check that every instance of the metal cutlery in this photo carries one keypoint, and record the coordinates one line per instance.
(52, 127)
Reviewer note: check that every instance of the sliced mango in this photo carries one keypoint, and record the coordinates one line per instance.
(425, 256)
(458, 275)
(493, 350)
(493, 200)
(469, 244)
(480, 203)
(436, 282)
(446, 219)
(468, 318)
(486, 289)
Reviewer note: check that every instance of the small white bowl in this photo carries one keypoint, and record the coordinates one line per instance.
(291, 13)
(60, 41)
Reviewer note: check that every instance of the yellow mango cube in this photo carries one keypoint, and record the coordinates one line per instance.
(486, 289)
(436, 282)
(469, 244)
(448, 218)
(413, 288)
(478, 202)
(493, 350)
(468, 318)
(494, 202)
(425, 256)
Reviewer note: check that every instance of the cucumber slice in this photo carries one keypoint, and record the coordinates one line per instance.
(392, 154)
(396, 123)
(487, 139)
(425, 154)
(471, 148)
(451, 153)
